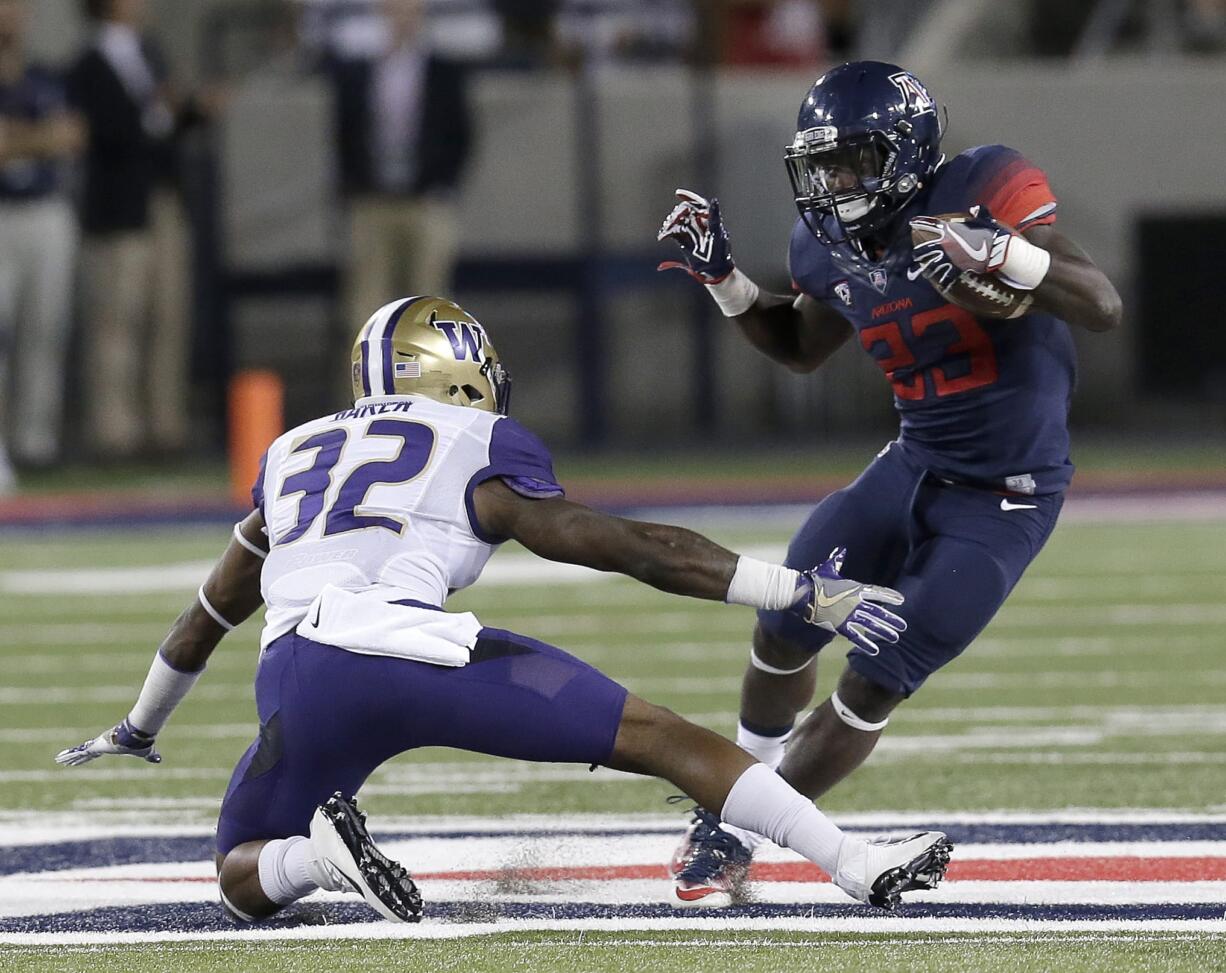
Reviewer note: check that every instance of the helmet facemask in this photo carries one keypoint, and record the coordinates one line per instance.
(846, 188)
(868, 138)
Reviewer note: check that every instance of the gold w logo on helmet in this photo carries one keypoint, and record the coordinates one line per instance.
(466, 337)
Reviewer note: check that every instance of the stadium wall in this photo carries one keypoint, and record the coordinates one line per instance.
(1123, 139)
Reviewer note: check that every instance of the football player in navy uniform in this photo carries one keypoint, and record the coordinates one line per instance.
(951, 275)
(364, 522)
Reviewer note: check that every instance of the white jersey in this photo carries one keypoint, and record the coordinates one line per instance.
(370, 522)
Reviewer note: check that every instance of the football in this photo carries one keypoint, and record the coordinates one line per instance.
(984, 295)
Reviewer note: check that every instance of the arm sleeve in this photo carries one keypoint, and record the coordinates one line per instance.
(1014, 189)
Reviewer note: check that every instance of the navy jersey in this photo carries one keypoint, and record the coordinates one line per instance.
(979, 399)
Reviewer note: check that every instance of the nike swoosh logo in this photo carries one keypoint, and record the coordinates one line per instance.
(824, 602)
(914, 272)
(980, 254)
(1006, 505)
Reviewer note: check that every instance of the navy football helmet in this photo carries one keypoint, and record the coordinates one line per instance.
(868, 137)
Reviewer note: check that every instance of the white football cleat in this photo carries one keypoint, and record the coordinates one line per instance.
(879, 871)
(340, 838)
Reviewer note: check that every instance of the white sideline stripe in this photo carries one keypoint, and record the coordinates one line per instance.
(27, 896)
(430, 929)
(464, 851)
(710, 942)
(32, 826)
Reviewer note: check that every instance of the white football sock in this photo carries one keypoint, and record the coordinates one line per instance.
(764, 802)
(770, 751)
(767, 749)
(290, 869)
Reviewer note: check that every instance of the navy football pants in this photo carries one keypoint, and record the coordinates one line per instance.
(954, 551)
(329, 717)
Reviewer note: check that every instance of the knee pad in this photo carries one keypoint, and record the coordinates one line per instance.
(845, 713)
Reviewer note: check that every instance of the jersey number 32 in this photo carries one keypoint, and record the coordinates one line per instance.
(313, 483)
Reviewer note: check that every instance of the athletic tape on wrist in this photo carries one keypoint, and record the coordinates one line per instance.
(760, 584)
(164, 689)
(850, 718)
(734, 294)
(238, 536)
(764, 667)
(1025, 264)
(213, 612)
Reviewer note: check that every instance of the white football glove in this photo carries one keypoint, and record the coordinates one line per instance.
(852, 609)
(134, 744)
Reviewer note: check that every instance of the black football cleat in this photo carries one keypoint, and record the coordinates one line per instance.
(339, 835)
(878, 872)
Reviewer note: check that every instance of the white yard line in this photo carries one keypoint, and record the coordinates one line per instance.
(58, 894)
(429, 929)
(125, 693)
(54, 735)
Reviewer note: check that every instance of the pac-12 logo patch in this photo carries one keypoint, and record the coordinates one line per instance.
(913, 92)
(843, 289)
(878, 278)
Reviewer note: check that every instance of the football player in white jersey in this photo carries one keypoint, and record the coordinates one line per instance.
(364, 522)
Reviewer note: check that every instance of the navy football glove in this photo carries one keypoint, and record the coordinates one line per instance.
(122, 740)
(696, 227)
(838, 604)
(978, 243)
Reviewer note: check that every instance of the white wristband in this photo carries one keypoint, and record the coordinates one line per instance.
(164, 689)
(759, 584)
(734, 294)
(1025, 265)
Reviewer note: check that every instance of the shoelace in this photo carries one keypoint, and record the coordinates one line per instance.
(711, 847)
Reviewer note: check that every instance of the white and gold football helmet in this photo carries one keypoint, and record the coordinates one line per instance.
(432, 347)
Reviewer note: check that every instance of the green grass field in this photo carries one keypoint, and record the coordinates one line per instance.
(1100, 685)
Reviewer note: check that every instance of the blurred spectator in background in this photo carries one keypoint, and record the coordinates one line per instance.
(135, 281)
(38, 241)
(403, 130)
(778, 33)
(529, 35)
(1205, 25)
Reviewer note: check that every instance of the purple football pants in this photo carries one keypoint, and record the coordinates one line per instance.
(329, 717)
